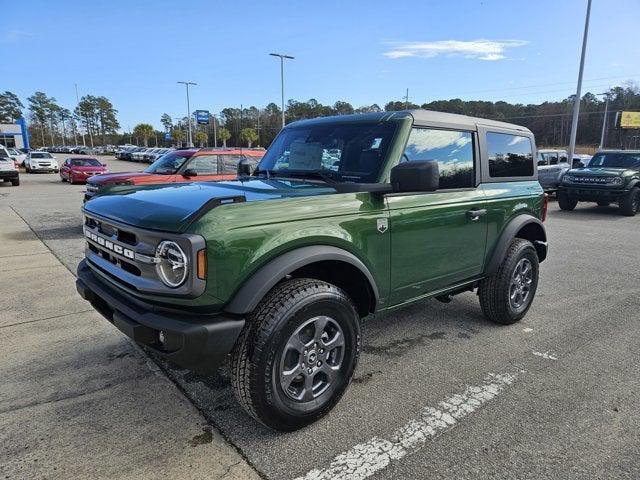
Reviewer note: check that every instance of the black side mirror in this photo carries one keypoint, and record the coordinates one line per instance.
(423, 176)
(189, 172)
(246, 167)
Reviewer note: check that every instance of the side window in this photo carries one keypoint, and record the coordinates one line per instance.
(229, 164)
(563, 157)
(204, 164)
(553, 160)
(452, 149)
(542, 160)
(509, 155)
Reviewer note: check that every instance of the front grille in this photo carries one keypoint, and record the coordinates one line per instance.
(126, 254)
(592, 180)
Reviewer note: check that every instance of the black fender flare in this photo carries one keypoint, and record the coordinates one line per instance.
(634, 183)
(252, 291)
(507, 236)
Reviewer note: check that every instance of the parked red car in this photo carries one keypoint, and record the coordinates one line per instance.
(79, 169)
(192, 165)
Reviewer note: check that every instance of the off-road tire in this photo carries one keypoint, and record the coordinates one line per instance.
(15, 182)
(255, 359)
(603, 203)
(494, 290)
(630, 203)
(566, 203)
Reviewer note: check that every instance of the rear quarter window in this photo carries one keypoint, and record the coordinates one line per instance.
(509, 155)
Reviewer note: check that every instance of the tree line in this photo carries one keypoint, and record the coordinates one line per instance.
(96, 118)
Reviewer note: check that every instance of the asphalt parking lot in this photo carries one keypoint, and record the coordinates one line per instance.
(439, 391)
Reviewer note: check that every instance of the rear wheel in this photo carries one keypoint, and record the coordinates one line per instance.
(15, 181)
(565, 202)
(296, 354)
(630, 203)
(507, 294)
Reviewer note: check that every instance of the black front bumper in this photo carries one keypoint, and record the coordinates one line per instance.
(193, 341)
(593, 194)
(8, 174)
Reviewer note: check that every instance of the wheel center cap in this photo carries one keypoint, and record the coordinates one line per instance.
(312, 356)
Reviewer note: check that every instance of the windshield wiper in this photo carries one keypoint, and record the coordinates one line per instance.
(327, 176)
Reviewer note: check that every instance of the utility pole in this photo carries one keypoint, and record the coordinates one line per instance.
(282, 57)
(78, 102)
(576, 104)
(406, 100)
(215, 133)
(604, 120)
(186, 84)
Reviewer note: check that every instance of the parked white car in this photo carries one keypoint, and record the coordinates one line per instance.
(8, 170)
(41, 162)
(17, 155)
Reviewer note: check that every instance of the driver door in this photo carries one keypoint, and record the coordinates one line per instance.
(438, 238)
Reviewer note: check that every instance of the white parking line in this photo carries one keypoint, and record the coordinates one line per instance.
(365, 459)
(546, 355)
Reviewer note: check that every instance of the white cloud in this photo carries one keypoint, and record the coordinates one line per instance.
(489, 50)
(516, 140)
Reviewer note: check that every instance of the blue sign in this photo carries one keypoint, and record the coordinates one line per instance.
(167, 136)
(202, 117)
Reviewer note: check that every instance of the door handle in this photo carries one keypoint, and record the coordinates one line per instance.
(475, 214)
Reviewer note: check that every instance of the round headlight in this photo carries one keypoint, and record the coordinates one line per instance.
(172, 266)
(616, 180)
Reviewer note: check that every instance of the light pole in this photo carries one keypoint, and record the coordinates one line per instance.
(282, 57)
(576, 104)
(604, 120)
(215, 132)
(186, 84)
(78, 102)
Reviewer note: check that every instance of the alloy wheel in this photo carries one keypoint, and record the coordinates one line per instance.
(311, 359)
(520, 286)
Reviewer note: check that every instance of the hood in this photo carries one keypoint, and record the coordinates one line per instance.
(117, 177)
(172, 207)
(601, 171)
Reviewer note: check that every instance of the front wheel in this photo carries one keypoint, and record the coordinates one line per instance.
(296, 354)
(630, 203)
(507, 294)
(566, 203)
(15, 181)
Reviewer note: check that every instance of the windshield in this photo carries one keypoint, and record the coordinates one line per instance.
(41, 155)
(85, 162)
(169, 163)
(616, 160)
(346, 152)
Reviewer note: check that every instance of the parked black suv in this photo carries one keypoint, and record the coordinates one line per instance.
(612, 176)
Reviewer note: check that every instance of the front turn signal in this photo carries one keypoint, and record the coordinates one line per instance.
(202, 264)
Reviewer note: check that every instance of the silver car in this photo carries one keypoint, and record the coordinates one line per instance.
(552, 165)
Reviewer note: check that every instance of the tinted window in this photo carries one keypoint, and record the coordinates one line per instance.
(229, 163)
(349, 152)
(616, 160)
(204, 164)
(84, 162)
(453, 150)
(509, 155)
(169, 163)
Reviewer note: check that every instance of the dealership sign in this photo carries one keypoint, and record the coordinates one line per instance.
(202, 117)
(630, 120)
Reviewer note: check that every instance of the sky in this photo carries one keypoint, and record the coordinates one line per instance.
(363, 52)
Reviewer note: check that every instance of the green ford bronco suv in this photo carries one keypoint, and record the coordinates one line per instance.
(612, 176)
(344, 217)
